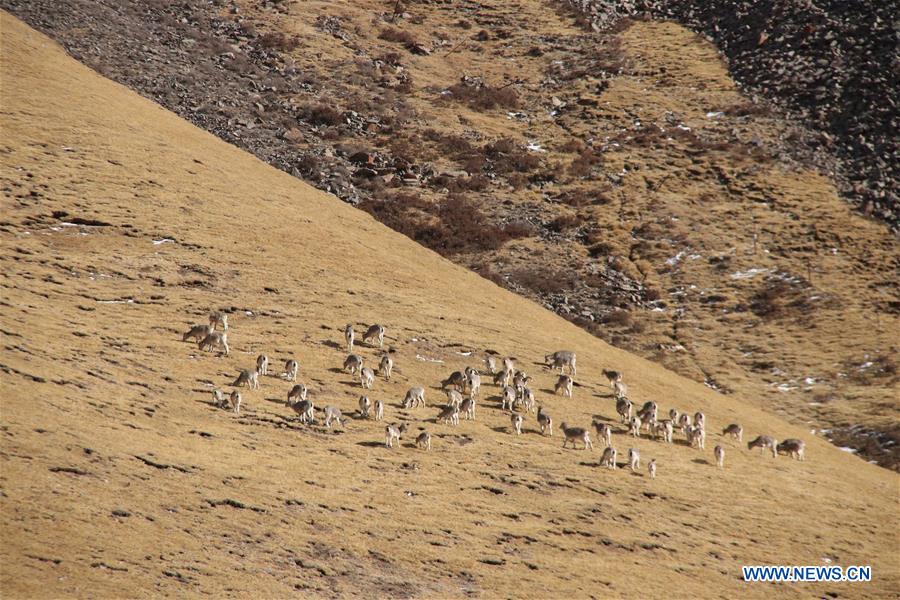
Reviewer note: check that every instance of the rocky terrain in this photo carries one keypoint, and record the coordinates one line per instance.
(123, 224)
(619, 178)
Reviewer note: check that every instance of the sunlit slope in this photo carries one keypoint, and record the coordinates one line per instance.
(123, 225)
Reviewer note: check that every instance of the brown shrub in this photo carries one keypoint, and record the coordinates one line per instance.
(543, 280)
(563, 223)
(276, 40)
(321, 114)
(618, 318)
(484, 97)
(392, 34)
(585, 163)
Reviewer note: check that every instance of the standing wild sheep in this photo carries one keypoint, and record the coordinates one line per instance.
(651, 468)
(424, 441)
(449, 414)
(349, 336)
(576, 434)
(236, 401)
(247, 377)
(364, 405)
(669, 430)
(332, 413)
(414, 397)
(379, 410)
(219, 399)
(763, 442)
(474, 382)
(490, 363)
(386, 366)
(215, 340)
(353, 363)
(562, 359)
(305, 410)
(634, 459)
(696, 436)
(296, 394)
(700, 420)
(528, 400)
(291, 368)
(719, 453)
(503, 378)
(673, 415)
(612, 376)
(635, 426)
(366, 378)
(735, 431)
(262, 364)
(393, 432)
(608, 459)
(623, 407)
(509, 364)
(467, 407)
(684, 421)
(649, 411)
(454, 398)
(545, 421)
(604, 432)
(516, 419)
(509, 398)
(620, 390)
(218, 319)
(197, 333)
(793, 447)
(564, 383)
(374, 333)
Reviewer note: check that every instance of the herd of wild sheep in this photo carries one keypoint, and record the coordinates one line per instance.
(463, 388)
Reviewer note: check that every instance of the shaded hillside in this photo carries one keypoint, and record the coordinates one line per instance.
(619, 179)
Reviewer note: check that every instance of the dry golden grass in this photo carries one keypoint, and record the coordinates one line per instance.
(115, 466)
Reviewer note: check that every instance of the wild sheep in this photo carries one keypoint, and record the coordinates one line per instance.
(291, 368)
(349, 336)
(386, 366)
(474, 382)
(649, 411)
(379, 410)
(509, 364)
(219, 400)
(620, 390)
(793, 447)
(414, 397)
(735, 431)
(332, 413)
(423, 441)
(374, 332)
(623, 408)
(503, 378)
(296, 393)
(564, 383)
(247, 377)
(236, 401)
(545, 421)
(696, 436)
(612, 376)
(449, 414)
(197, 332)
(366, 377)
(763, 442)
(528, 400)
(490, 363)
(684, 421)
(454, 398)
(457, 379)
(719, 453)
(562, 359)
(576, 434)
(651, 468)
(608, 459)
(364, 406)
(700, 420)
(393, 432)
(262, 364)
(669, 431)
(305, 410)
(215, 340)
(516, 419)
(467, 408)
(509, 398)
(353, 363)
(635, 426)
(217, 319)
(520, 379)
(673, 414)
(604, 432)
(634, 459)
(658, 429)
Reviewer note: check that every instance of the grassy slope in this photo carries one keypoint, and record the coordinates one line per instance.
(115, 382)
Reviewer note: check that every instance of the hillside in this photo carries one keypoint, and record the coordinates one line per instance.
(123, 225)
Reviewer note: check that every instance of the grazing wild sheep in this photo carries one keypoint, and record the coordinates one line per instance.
(545, 421)
(349, 336)
(374, 332)
(449, 414)
(364, 405)
(562, 359)
(197, 333)
(620, 390)
(635, 426)
(247, 377)
(564, 383)
(236, 401)
(393, 432)
(305, 410)
(262, 364)
(414, 397)
(516, 419)
(366, 378)
(608, 459)
(623, 407)
(719, 453)
(604, 432)
(386, 366)
(735, 431)
(490, 363)
(576, 434)
(353, 363)
(219, 399)
(215, 340)
(763, 442)
(634, 459)
(457, 379)
(379, 410)
(296, 393)
(291, 368)
(454, 398)
(332, 413)
(423, 441)
(612, 377)
(793, 447)
(651, 468)
(467, 408)
(218, 319)
(509, 398)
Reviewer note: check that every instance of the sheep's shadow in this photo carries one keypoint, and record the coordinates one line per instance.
(371, 444)
(332, 344)
(701, 461)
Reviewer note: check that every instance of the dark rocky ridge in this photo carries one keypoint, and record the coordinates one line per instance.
(831, 64)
